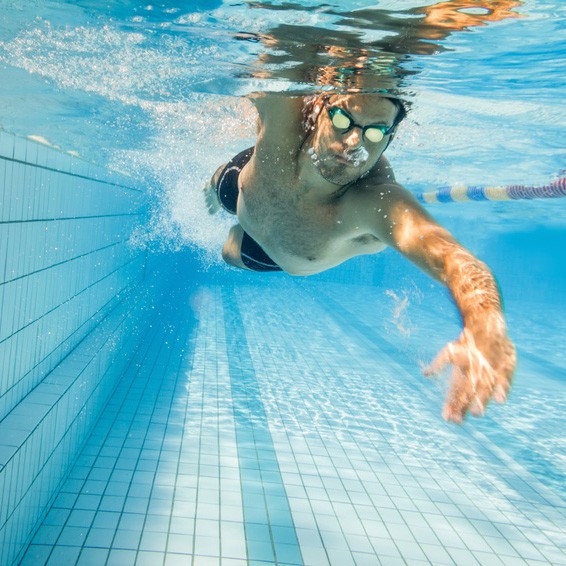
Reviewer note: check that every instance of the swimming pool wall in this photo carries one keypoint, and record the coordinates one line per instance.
(70, 298)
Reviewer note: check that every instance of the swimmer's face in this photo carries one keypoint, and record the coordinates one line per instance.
(351, 134)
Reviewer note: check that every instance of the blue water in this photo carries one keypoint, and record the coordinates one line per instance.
(157, 407)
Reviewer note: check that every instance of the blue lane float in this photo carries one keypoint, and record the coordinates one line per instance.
(463, 193)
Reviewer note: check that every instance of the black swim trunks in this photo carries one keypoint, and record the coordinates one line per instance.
(253, 256)
(227, 186)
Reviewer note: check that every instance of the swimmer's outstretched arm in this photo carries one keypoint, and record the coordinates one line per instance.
(483, 357)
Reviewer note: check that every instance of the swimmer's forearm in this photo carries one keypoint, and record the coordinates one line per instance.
(483, 356)
(473, 287)
(402, 223)
(415, 234)
(469, 280)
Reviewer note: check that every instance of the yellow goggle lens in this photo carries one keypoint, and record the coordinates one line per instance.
(341, 121)
(374, 135)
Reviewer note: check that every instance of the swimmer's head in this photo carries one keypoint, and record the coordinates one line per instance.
(350, 132)
(314, 105)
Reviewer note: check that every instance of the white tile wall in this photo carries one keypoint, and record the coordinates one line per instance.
(68, 302)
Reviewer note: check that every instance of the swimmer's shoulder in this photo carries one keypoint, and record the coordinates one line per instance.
(377, 186)
(380, 173)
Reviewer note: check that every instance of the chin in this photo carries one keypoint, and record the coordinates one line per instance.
(343, 174)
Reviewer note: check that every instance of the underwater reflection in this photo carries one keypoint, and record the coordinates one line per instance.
(370, 49)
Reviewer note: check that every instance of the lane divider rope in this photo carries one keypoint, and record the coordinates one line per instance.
(463, 193)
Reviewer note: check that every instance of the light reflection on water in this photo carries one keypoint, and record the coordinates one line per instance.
(157, 90)
(348, 395)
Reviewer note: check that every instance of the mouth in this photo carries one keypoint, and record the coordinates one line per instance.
(344, 160)
(351, 160)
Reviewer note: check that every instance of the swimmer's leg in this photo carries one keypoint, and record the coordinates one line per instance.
(210, 193)
(232, 251)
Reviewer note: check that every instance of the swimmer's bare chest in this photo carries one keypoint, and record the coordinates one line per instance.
(303, 232)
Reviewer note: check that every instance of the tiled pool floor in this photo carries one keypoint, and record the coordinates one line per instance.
(258, 425)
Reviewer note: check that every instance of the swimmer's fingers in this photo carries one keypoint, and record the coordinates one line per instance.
(462, 391)
(460, 394)
(210, 193)
(479, 374)
(211, 198)
(491, 370)
(472, 392)
(443, 358)
(459, 398)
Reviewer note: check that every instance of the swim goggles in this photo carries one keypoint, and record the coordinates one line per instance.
(343, 122)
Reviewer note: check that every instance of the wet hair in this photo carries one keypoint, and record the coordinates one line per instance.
(314, 104)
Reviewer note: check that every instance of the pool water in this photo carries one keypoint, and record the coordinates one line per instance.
(158, 407)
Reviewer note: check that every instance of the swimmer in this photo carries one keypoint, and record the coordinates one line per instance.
(316, 190)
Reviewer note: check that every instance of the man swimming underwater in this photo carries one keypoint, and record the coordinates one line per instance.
(316, 190)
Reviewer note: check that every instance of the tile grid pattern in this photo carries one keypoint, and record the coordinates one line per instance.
(68, 284)
(63, 257)
(498, 517)
(521, 426)
(212, 440)
(369, 472)
(530, 510)
(270, 532)
(110, 497)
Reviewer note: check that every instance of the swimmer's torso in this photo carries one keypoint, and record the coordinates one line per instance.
(287, 208)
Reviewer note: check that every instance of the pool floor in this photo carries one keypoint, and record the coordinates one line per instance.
(257, 425)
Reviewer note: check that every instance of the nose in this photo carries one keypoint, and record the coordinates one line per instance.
(353, 138)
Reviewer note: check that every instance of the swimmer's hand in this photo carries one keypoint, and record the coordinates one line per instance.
(211, 198)
(210, 195)
(483, 360)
